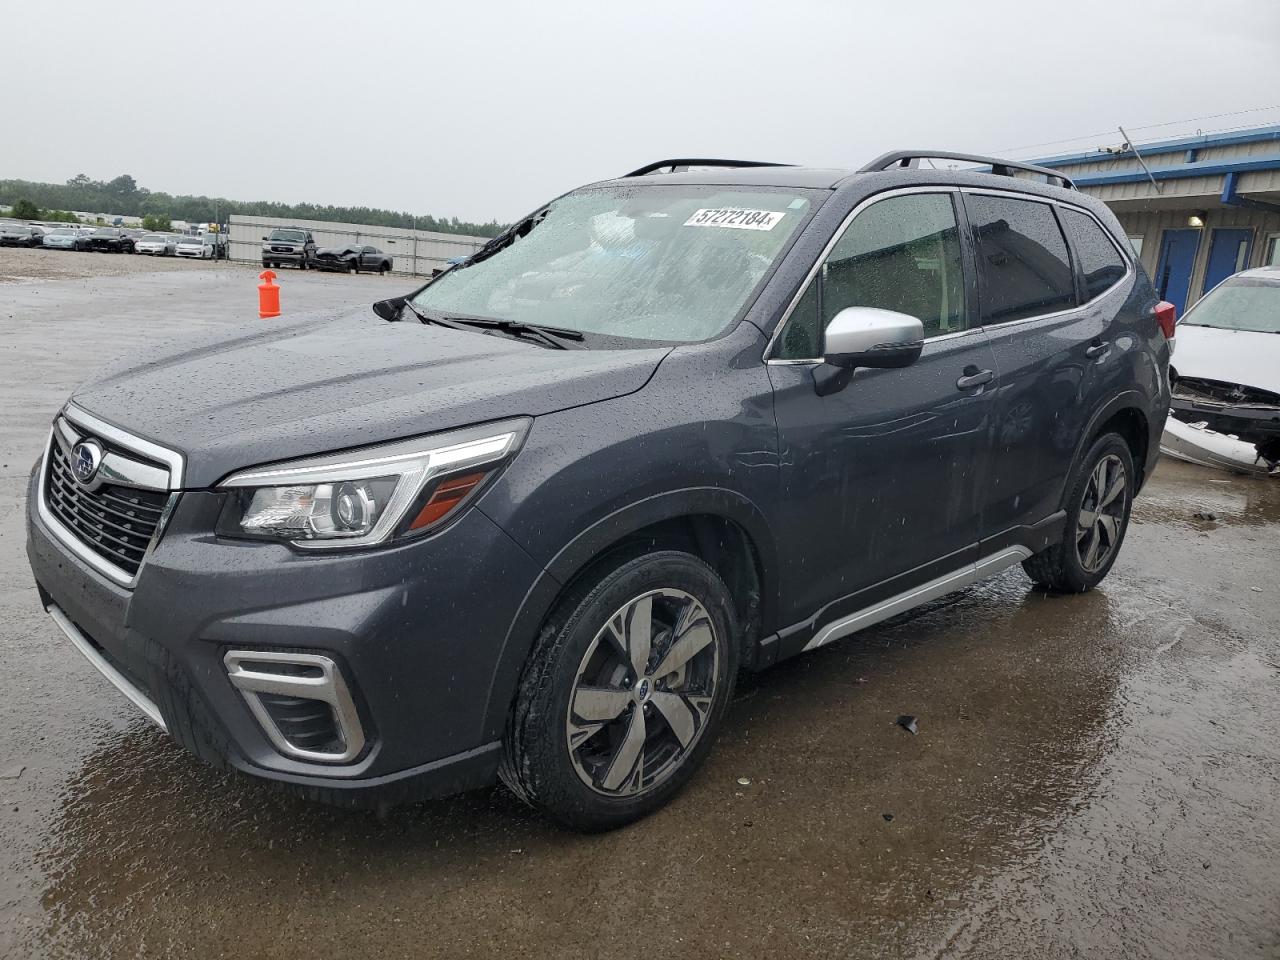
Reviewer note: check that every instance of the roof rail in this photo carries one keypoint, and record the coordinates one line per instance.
(1001, 168)
(687, 162)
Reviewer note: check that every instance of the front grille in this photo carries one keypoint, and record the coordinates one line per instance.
(116, 523)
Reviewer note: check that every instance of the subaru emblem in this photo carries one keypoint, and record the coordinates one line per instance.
(86, 457)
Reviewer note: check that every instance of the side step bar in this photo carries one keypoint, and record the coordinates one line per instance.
(908, 599)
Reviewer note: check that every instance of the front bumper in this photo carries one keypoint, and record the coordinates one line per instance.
(296, 257)
(1253, 423)
(417, 631)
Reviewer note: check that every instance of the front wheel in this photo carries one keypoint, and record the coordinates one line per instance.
(1098, 506)
(624, 691)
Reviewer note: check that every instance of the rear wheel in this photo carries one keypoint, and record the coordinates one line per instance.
(1098, 507)
(624, 691)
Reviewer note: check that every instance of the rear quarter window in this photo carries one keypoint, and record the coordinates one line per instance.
(1101, 264)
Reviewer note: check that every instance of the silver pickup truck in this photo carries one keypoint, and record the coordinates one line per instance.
(288, 245)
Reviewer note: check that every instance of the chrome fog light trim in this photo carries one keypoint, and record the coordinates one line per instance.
(323, 682)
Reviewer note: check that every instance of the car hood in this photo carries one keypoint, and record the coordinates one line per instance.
(1233, 356)
(276, 390)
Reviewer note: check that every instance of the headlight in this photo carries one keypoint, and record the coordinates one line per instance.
(368, 496)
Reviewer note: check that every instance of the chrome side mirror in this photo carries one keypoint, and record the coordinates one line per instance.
(871, 337)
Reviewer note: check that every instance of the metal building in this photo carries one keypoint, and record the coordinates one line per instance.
(1197, 209)
(418, 252)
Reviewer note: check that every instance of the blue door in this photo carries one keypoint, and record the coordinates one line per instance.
(1173, 272)
(1228, 254)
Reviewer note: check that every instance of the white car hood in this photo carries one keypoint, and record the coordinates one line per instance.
(1233, 356)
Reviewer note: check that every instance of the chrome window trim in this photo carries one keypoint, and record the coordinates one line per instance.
(965, 576)
(826, 252)
(104, 667)
(60, 434)
(1125, 256)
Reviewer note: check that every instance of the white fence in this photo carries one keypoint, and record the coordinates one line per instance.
(417, 252)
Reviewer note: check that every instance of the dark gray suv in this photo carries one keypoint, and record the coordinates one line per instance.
(530, 521)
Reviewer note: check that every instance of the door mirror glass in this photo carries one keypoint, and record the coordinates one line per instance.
(871, 337)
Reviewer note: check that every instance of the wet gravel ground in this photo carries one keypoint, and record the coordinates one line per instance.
(1094, 776)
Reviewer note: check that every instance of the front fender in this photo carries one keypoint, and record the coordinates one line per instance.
(579, 553)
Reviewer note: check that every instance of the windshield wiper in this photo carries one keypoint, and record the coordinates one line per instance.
(430, 318)
(554, 337)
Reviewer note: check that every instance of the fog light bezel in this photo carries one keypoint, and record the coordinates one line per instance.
(329, 687)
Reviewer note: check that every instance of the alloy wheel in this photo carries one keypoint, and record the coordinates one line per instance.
(643, 693)
(1101, 517)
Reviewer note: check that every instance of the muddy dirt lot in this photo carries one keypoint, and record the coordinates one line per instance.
(1094, 776)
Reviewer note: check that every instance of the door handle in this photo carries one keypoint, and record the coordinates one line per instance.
(973, 377)
(1097, 348)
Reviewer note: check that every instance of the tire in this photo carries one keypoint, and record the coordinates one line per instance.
(266, 265)
(1093, 536)
(596, 772)
(383, 269)
(353, 267)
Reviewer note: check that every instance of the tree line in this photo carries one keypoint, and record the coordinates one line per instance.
(123, 197)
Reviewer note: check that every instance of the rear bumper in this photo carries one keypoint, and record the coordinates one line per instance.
(417, 632)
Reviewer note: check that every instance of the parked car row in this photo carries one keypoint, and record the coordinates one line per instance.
(297, 247)
(292, 246)
(112, 240)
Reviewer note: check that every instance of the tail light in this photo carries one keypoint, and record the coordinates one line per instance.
(1167, 317)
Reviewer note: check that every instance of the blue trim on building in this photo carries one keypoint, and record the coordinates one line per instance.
(1201, 169)
(1180, 145)
(1232, 198)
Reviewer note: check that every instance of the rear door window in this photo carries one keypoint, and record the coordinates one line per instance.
(1101, 265)
(1024, 269)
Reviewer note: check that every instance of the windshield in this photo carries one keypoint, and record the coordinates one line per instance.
(154, 238)
(105, 232)
(297, 236)
(672, 263)
(190, 240)
(1238, 305)
(63, 233)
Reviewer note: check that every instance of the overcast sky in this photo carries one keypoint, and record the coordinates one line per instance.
(483, 110)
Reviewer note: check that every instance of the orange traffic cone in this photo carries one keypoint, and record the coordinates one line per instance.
(268, 296)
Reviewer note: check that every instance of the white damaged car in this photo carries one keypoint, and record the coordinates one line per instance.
(1226, 377)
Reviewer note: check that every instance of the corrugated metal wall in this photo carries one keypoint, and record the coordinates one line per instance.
(413, 252)
(1150, 225)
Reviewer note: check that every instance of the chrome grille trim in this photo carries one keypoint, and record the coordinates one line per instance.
(64, 505)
